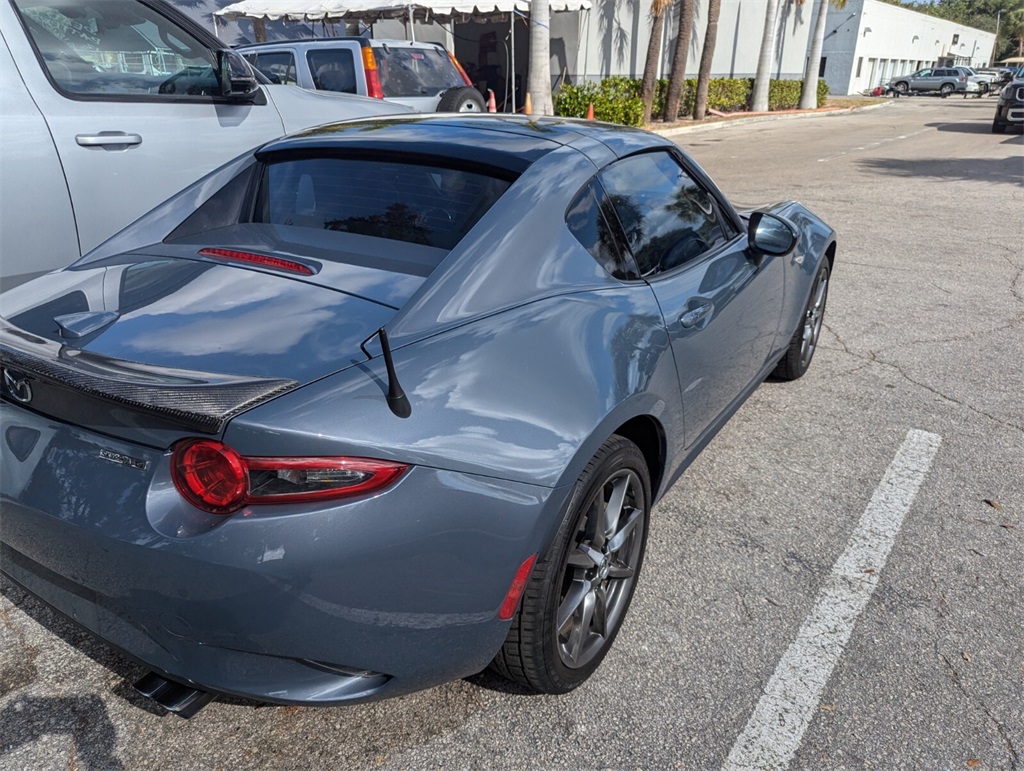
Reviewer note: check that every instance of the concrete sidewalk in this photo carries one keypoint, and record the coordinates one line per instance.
(687, 127)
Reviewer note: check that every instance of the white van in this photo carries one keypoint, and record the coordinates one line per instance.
(111, 106)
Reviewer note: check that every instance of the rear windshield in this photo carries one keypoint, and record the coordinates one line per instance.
(412, 202)
(415, 71)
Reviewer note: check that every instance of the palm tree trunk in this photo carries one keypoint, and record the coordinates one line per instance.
(653, 55)
(809, 91)
(759, 95)
(677, 80)
(700, 105)
(538, 84)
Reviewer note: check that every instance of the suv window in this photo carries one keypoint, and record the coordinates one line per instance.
(667, 217)
(279, 66)
(333, 69)
(118, 48)
(415, 71)
(420, 204)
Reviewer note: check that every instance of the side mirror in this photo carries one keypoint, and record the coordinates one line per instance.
(770, 234)
(237, 81)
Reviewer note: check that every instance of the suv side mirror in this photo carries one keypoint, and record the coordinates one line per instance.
(770, 234)
(237, 81)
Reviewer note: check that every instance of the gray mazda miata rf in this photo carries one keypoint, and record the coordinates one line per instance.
(380, 404)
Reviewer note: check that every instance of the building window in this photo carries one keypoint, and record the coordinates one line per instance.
(860, 63)
(821, 67)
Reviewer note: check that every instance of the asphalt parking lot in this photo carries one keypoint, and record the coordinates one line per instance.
(838, 581)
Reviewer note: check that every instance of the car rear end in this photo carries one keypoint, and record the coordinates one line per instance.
(142, 497)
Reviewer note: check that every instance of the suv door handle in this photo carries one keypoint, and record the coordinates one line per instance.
(693, 318)
(108, 139)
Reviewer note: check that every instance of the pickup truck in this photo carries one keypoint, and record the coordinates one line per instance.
(111, 107)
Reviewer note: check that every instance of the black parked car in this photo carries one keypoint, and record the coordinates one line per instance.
(1010, 110)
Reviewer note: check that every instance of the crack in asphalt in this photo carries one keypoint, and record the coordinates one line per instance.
(872, 358)
(983, 707)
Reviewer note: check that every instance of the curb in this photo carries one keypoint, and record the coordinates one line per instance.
(763, 118)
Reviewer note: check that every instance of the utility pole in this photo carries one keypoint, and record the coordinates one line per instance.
(995, 43)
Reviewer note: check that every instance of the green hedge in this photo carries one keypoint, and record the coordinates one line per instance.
(617, 100)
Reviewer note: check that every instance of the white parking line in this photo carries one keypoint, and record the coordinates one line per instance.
(776, 727)
(872, 145)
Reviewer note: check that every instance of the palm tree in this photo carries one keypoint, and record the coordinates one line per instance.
(700, 104)
(677, 80)
(759, 94)
(538, 84)
(658, 8)
(809, 91)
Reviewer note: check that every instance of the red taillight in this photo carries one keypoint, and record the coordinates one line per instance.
(263, 260)
(458, 66)
(372, 76)
(215, 478)
(210, 475)
(515, 591)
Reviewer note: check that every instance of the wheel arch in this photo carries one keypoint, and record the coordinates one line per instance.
(648, 434)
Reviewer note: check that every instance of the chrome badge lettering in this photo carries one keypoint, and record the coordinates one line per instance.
(18, 388)
(124, 460)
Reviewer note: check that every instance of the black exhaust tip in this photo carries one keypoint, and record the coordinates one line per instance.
(181, 700)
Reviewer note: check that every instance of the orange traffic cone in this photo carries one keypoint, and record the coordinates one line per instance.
(528, 106)
(590, 112)
(492, 106)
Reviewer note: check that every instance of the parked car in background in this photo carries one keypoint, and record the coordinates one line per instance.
(381, 403)
(109, 107)
(938, 80)
(1010, 108)
(423, 76)
(983, 82)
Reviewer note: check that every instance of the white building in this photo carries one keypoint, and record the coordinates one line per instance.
(869, 42)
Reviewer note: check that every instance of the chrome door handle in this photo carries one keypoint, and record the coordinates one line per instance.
(693, 318)
(108, 139)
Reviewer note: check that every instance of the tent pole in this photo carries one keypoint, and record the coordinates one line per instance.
(512, 74)
(412, 28)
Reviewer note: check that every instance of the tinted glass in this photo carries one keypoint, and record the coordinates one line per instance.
(415, 71)
(588, 223)
(279, 66)
(333, 70)
(667, 217)
(421, 204)
(118, 48)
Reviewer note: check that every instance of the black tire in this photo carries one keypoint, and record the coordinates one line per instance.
(903, 87)
(804, 342)
(537, 652)
(462, 99)
(998, 127)
(946, 89)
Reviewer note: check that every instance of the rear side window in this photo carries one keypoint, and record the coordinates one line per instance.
(417, 203)
(415, 71)
(279, 66)
(118, 48)
(594, 225)
(333, 69)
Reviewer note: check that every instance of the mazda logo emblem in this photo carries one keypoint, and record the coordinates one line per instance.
(18, 387)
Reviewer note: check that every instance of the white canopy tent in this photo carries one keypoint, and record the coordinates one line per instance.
(369, 11)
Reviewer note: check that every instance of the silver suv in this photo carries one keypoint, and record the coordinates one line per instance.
(423, 76)
(941, 80)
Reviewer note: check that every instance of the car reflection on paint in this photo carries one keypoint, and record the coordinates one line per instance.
(378, 405)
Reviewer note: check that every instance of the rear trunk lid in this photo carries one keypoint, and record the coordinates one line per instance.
(157, 343)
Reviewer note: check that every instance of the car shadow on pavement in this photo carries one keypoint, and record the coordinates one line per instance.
(84, 718)
(962, 127)
(84, 642)
(1001, 170)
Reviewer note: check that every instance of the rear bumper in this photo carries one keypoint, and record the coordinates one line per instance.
(379, 597)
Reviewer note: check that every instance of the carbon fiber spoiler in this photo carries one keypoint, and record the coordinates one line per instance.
(37, 370)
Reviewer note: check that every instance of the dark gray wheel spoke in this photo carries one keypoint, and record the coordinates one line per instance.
(574, 599)
(616, 541)
(613, 510)
(585, 556)
(581, 627)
